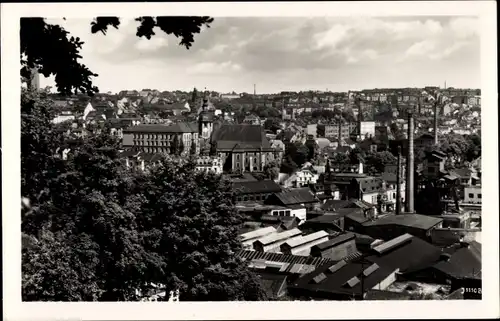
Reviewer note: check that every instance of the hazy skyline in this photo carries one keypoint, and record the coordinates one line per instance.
(278, 54)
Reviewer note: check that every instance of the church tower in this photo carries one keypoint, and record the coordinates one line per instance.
(205, 120)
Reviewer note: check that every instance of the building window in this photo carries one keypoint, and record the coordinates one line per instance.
(471, 195)
(479, 195)
(287, 213)
(394, 195)
(281, 213)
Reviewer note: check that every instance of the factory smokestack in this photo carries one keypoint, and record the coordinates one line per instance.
(436, 138)
(254, 90)
(398, 183)
(410, 166)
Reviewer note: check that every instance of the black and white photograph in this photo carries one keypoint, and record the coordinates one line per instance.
(205, 156)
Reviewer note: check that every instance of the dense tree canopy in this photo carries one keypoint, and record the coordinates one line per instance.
(272, 124)
(298, 153)
(50, 48)
(97, 231)
(375, 162)
(272, 170)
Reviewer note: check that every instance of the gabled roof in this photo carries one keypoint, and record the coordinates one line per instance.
(464, 263)
(157, 128)
(240, 136)
(296, 196)
(409, 256)
(272, 283)
(418, 221)
(343, 281)
(249, 255)
(336, 204)
(342, 238)
(256, 187)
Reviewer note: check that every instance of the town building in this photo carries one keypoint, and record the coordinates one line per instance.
(255, 190)
(391, 226)
(472, 194)
(209, 164)
(242, 147)
(161, 138)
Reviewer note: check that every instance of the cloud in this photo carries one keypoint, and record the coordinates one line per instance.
(213, 68)
(464, 28)
(449, 51)
(421, 48)
(153, 44)
(286, 50)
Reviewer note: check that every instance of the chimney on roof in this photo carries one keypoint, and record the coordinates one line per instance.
(436, 121)
(410, 166)
(398, 183)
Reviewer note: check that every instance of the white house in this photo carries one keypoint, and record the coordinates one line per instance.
(367, 129)
(63, 116)
(209, 164)
(301, 178)
(472, 194)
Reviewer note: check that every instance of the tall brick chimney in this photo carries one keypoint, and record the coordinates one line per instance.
(398, 183)
(410, 167)
(436, 122)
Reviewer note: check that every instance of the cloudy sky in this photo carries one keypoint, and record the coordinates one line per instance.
(278, 54)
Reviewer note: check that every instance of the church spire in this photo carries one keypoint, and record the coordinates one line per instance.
(204, 106)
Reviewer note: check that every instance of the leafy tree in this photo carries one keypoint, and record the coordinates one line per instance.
(298, 153)
(181, 147)
(192, 149)
(473, 147)
(455, 146)
(272, 124)
(288, 166)
(340, 158)
(53, 52)
(272, 170)
(194, 96)
(39, 141)
(356, 156)
(190, 226)
(99, 232)
(174, 146)
(312, 149)
(375, 162)
(348, 115)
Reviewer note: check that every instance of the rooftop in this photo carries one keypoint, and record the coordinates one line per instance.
(241, 136)
(423, 222)
(256, 187)
(282, 258)
(464, 263)
(334, 279)
(158, 128)
(406, 252)
(296, 196)
(334, 242)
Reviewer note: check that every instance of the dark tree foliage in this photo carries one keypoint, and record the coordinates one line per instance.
(288, 166)
(194, 96)
(39, 142)
(298, 153)
(50, 48)
(272, 170)
(375, 162)
(96, 231)
(174, 146)
(272, 124)
(192, 149)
